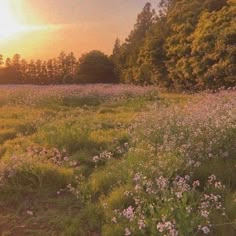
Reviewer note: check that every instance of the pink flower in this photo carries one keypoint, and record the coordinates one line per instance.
(205, 230)
(127, 232)
(129, 213)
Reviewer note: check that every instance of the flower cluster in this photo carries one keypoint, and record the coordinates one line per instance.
(102, 157)
(200, 130)
(158, 200)
(167, 227)
(53, 155)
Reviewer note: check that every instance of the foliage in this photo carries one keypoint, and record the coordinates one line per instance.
(187, 46)
(95, 67)
(214, 49)
(125, 56)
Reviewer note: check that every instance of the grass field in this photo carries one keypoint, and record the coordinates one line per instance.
(116, 160)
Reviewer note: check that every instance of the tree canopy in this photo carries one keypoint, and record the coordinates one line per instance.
(188, 45)
(93, 67)
(96, 67)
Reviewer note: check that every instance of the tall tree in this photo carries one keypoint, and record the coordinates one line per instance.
(16, 61)
(152, 54)
(70, 71)
(214, 48)
(182, 19)
(8, 62)
(51, 71)
(24, 68)
(127, 55)
(32, 72)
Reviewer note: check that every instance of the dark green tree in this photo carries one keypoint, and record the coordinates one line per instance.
(126, 55)
(96, 67)
(182, 19)
(152, 55)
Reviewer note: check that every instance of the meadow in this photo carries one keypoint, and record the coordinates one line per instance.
(116, 160)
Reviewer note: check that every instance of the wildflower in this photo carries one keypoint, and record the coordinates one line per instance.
(162, 182)
(129, 213)
(167, 226)
(127, 232)
(137, 177)
(30, 213)
(141, 224)
(95, 159)
(128, 193)
(196, 183)
(205, 213)
(179, 195)
(211, 179)
(189, 209)
(137, 187)
(114, 220)
(205, 230)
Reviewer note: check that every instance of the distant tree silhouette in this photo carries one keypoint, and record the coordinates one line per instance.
(8, 62)
(96, 67)
(1, 60)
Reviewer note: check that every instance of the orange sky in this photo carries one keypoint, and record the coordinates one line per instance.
(68, 25)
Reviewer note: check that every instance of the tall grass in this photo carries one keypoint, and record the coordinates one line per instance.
(117, 160)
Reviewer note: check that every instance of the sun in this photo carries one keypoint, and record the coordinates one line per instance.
(10, 24)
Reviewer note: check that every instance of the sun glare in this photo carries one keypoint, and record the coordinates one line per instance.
(10, 24)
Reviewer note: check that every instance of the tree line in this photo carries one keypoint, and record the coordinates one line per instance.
(92, 67)
(185, 45)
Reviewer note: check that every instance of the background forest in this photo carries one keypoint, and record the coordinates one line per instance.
(183, 45)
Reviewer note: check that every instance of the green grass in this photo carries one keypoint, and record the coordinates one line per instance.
(47, 165)
(84, 127)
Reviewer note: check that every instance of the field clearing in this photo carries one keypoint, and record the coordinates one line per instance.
(116, 160)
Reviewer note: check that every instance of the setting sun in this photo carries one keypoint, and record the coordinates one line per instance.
(8, 22)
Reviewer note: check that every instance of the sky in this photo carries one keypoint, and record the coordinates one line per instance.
(44, 28)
